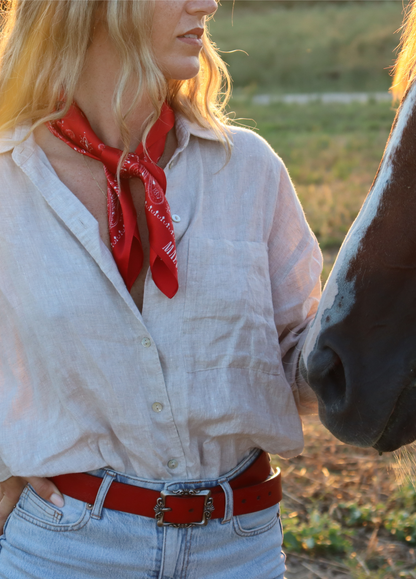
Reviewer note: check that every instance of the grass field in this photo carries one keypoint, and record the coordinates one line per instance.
(326, 47)
(344, 514)
(347, 513)
(332, 153)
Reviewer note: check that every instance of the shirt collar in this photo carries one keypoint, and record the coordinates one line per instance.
(11, 138)
(183, 126)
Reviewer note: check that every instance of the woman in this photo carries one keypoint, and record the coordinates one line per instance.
(149, 343)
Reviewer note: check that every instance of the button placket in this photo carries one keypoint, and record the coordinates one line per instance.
(165, 421)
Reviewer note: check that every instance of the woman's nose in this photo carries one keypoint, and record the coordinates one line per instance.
(204, 7)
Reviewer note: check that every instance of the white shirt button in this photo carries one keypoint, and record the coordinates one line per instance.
(173, 463)
(176, 218)
(157, 407)
(146, 342)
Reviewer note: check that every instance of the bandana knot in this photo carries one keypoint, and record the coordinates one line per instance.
(75, 130)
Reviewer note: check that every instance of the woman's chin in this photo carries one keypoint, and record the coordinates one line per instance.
(184, 71)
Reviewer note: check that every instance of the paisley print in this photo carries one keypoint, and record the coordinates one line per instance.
(132, 170)
(155, 193)
(115, 216)
(70, 134)
(85, 143)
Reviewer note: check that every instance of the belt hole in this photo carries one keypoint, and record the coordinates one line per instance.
(270, 492)
(258, 498)
(191, 510)
(243, 501)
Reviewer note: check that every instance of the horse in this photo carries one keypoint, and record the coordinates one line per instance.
(360, 353)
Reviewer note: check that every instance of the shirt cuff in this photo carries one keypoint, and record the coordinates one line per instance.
(4, 472)
(308, 402)
(305, 397)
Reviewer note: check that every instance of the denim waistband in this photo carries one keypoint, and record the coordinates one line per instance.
(183, 484)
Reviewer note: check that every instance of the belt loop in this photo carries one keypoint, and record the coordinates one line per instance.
(102, 493)
(229, 501)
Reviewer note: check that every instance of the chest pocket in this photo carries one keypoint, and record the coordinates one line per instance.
(228, 319)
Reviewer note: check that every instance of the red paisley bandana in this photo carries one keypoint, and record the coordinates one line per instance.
(75, 130)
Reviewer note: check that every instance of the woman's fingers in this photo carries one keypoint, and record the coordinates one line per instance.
(47, 490)
(10, 491)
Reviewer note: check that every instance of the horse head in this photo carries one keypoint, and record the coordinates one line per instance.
(360, 353)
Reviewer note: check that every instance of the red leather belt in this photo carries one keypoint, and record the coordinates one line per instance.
(253, 490)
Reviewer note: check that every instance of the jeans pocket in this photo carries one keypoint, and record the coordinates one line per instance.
(256, 523)
(6, 524)
(71, 517)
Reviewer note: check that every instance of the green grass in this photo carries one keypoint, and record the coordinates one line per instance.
(332, 153)
(326, 47)
(348, 509)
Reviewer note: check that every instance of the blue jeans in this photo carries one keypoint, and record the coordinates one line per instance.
(81, 541)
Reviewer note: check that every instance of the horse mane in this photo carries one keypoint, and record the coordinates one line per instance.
(405, 66)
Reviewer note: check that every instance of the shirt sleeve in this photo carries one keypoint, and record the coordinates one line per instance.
(4, 472)
(295, 262)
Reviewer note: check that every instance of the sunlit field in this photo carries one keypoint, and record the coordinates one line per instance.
(308, 46)
(347, 512)
(344, 512)
(332, 153)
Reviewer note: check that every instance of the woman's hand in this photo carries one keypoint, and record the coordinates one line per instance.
(11, 489)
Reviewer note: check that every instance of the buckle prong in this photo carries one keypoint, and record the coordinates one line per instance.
(161, 508)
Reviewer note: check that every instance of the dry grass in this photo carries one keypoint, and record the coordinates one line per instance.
(338, 481)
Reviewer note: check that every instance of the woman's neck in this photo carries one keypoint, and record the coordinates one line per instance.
(95, 91)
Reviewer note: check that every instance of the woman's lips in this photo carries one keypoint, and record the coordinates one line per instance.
(193, 40)
(192, 37)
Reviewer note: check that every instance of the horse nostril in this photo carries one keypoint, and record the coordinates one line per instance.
(326, 375)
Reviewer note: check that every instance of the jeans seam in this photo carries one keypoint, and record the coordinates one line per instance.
(6, 524)
(163, 554)
(253, 532)
(30, 495)
(82, 521)
(187, 553)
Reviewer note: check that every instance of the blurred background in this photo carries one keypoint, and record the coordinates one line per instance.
(314, 83)
(314, 78)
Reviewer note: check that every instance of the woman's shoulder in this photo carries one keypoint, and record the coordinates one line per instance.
(247, 143)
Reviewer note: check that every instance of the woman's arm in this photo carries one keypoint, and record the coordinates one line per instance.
(295, 263)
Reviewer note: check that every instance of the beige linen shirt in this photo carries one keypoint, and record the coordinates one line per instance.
(187, 388)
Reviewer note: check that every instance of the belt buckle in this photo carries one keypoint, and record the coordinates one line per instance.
(161, 508)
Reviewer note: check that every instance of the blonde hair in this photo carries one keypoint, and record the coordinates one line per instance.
(42, 51)
(405, 67)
